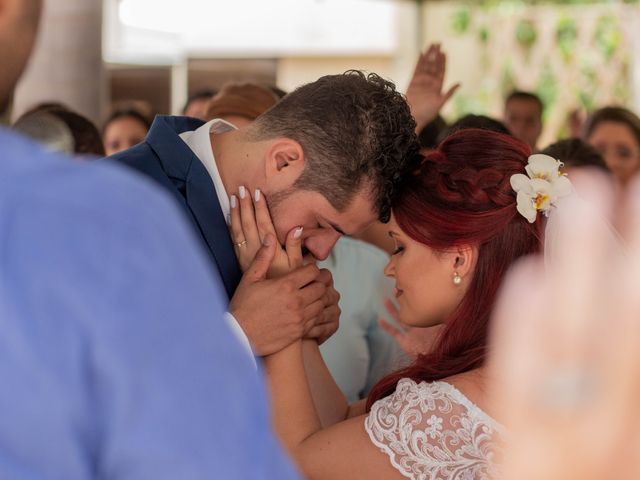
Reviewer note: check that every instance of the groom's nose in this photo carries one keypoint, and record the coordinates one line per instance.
(320, 245)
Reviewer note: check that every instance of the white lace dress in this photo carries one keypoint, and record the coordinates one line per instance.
(431, 431)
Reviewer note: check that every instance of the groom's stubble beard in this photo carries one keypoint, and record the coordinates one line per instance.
(276, 209)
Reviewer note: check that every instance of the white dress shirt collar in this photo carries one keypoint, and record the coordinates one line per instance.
(199, 141)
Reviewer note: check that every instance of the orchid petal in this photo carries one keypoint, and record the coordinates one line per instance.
(520, 182)
(538, 185)
(542, 166)
(525, 207)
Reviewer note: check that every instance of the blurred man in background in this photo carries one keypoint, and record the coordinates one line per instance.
(523, 117)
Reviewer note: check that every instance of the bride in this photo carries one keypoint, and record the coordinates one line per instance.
(458, 225)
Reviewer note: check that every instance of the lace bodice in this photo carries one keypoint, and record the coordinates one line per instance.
(431, 431)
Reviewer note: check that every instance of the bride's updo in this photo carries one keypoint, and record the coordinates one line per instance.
(461, 195)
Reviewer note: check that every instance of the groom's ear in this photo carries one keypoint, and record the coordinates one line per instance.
(284, 161)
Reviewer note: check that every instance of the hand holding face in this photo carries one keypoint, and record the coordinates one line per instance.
(565, 355)
(275, 313)
(250, 224)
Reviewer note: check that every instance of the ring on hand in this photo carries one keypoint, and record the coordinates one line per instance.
(240, 244)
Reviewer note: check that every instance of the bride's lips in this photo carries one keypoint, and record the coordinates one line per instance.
(397, 292)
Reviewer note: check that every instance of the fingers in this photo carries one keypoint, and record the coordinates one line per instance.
(235, 227)
(302, 276)
(325, 277)
(624, 323)
(248, 218)
(314, 310)
(332, 297)
(263, 217)
(392, 309)
(322, 332)
(577, 231)
(293, 247)
(450, 93)
(423, 60)
(440, 63)
(327, 324)
(390, 329)
(260, 265)
(313, 292)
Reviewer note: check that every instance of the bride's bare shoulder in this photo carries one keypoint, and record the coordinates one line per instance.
(472, 384)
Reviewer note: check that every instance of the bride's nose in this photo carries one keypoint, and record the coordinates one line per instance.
(390, 268)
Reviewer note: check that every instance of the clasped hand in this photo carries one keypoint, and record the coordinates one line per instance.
(279, 300)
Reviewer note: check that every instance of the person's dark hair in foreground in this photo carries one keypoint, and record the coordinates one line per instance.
(61, 129)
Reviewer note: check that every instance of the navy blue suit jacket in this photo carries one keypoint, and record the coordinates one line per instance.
(165, 158)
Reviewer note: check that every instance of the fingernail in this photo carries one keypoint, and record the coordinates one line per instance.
(298, 233)
(234, 201)
(242, 192)
(267, 240)
(257, 195)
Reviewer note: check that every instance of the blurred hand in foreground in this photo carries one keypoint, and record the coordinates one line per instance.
(565, 356)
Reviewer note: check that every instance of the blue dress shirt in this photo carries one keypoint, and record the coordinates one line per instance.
(115, 360)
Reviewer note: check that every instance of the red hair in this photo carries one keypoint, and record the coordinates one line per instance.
(461, 196)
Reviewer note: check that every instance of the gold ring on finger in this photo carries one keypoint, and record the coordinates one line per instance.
(240, 244)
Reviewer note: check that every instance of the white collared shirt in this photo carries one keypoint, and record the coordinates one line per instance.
(199, 141)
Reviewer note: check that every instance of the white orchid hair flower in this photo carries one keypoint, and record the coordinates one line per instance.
(541, 187)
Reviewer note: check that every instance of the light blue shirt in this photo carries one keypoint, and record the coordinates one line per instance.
(115, 360)
(360, 353)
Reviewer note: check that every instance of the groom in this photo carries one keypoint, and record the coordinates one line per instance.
(328, 157)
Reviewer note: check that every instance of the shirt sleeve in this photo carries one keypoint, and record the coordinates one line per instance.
(240, 335)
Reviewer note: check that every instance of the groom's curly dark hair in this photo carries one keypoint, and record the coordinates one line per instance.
(356, 131)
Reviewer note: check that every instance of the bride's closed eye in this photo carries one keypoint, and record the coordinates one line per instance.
(398, 249)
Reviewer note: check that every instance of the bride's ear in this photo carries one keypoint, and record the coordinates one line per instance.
(464, 260)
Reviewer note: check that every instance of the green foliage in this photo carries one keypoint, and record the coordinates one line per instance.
(607, 36)
(508, 81)
(547, 88)
(526, 33)
(461, 20)
(588, 84)
(484, 34)
(496, 3)
(586, 50)
(566, 37)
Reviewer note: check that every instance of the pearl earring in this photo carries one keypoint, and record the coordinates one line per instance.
(457, 279)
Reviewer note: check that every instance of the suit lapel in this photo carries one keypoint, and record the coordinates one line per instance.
(203, 202)
(187, 170)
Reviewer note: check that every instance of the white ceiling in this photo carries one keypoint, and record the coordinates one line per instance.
(164, 31)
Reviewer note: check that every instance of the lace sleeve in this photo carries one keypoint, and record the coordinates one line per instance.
(432, 431)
